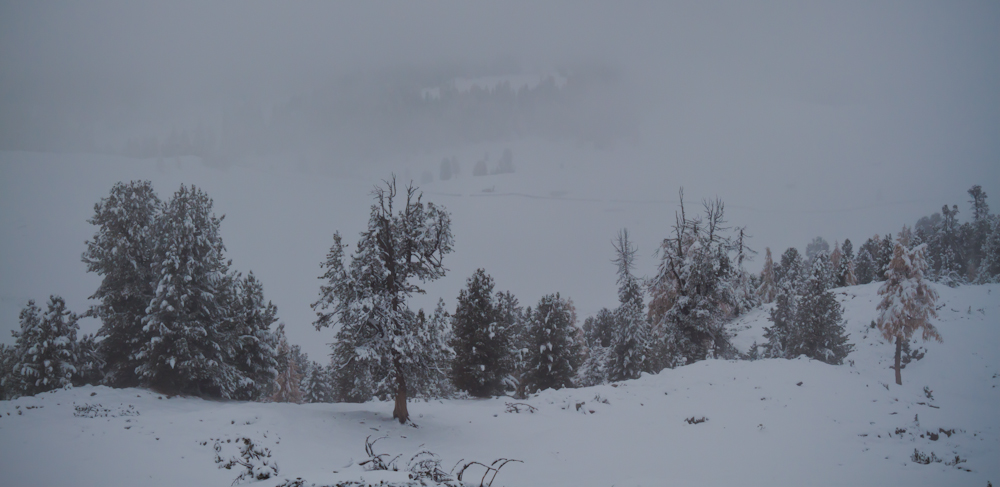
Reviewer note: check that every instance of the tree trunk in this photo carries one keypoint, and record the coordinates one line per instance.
(400, 412)
(899, 351)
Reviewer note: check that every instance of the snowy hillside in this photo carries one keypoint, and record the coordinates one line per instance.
(768, 422)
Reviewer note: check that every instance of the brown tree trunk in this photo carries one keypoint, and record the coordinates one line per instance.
(899, 351)
(400, 412)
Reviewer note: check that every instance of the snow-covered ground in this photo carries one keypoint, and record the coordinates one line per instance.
(769, 422)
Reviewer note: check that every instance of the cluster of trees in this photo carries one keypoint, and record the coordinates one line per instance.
(174, 316)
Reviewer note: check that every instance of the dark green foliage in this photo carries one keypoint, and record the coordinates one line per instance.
(121, 252)
(89, 362)
(251, 342)
(810, 324)
(630, 341)
(45, 349)
(481, 342)
(187, 349)
(553, 351)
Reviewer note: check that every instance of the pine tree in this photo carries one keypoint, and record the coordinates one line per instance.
(865, 267)
(779, 334)
(187, 349)
(907, 300)
(630, 341)
(768, 289)
(121, 252)
(89, 362)
(948, 244)
(513, 317)
(432, 380)
(790, 272)
(10, 385)
(367, 299)
(696, 289)
(481, 342)
(989, 268)
(845, 268)
(818, 244)
(254, 348)
(46, 347)
(818, 330)
(289, 380)
(317, 385)
(977, 231)
(553, 353)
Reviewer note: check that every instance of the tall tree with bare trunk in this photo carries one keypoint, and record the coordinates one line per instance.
(366, 299)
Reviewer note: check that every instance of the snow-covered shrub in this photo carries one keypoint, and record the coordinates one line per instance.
(255, 460)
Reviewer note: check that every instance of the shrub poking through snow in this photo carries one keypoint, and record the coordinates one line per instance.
(256, 460)
(694, 420)
(517, 407)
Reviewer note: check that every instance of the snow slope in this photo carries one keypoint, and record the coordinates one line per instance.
(769, 422)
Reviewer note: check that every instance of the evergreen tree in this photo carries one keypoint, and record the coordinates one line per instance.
(254, 348)
(977, 231)
(630, 341)
(10, 385)
(46, 347)
(865, 267)
(481, 343)
(432, 379)
(818, 244)
(697, 288)
(187, 349)
(989, 268)
(89, 362)
(121, 252)
(845, 268)
(907, 301)
(367, 299)
(779, 334)
(768, 289)
(317, 385)
(818, 330)
(884, 257)
(553, 353)
(287, 385)
(790, 272)
(513, 317)
(949, 249)
(597, 333)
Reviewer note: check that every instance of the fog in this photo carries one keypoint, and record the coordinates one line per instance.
(840, 119)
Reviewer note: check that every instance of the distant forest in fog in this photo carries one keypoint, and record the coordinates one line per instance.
(361, 117)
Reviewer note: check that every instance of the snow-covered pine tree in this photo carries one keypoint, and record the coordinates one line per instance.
(782, 317)
(10, 385)
(865, 267)
(432, 380)
(768, 289)
(976, 231)
(907, 300)
(694, 290)
(597, 334)
(818, 244)
(884, 256)
(950, 258)
(89, 362)
(254, 348)
(481, 341)
(187, 348)
(989, 268)
(317, 385)
(46, 347)
(553, 353)
(367, 298)
(845, 270)
(630, 341)
(818, 329)
(791, 272)
(121, 251)
(289, 379)
(513, 317)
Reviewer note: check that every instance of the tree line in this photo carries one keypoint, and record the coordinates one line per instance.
(176, 318)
